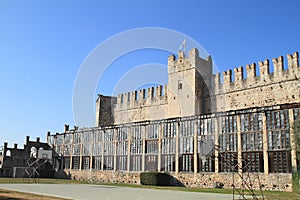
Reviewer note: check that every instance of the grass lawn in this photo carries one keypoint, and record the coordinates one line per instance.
(5, 194)
(13, 195)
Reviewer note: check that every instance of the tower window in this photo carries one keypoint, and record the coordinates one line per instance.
(179, 85)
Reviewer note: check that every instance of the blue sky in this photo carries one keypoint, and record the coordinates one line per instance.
(44, 43)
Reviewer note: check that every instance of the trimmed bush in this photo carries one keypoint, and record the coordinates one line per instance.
(155, 178)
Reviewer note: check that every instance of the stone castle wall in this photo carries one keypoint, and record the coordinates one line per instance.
(141, 105)
(277, 182)
(272, 99)
(183, 96)
(266, 89)
(192, 90)
(15, 160)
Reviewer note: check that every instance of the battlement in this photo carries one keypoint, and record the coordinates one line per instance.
(147, 96)
(264, 77)
(193, 60)
(27, 142)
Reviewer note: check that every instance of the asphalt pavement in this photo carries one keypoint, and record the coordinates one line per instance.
(99, 192)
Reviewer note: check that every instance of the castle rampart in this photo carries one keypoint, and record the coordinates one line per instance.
(143, 97)
(183, 96)
(266, 89)
(174, 129)
(193, 89)
(140, 105)
(248, 116)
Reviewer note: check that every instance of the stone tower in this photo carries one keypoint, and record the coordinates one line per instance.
(189, 80)
(105, 110)
(187, 94)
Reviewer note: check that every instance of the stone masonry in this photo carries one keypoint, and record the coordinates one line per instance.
(201, 127)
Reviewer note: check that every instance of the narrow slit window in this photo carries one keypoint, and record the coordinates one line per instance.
(179, 85)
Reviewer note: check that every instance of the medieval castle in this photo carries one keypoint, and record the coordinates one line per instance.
(201, 127)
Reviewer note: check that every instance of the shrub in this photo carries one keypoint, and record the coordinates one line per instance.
(296, 185)
(155, 178)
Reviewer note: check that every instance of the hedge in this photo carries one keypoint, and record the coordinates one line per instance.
(155, 178)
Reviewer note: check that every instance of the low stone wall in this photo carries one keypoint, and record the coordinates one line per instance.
(104, 176)
(278, 182)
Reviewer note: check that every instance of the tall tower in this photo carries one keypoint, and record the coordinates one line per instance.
(105, 110)
(188, 82)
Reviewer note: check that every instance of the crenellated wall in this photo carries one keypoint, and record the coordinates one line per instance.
(175, 120)
(193, 90)
(15, 160)
(140, 105)
(266, 89)
(183, 96)
(146, 97)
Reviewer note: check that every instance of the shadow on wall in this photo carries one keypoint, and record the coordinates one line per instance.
(174, 181)
(159, 179)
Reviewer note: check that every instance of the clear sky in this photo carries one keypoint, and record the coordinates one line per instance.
(44, 43)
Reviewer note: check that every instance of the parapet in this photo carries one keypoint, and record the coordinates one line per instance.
(15, 147)
(193, 60)
(150, 95)
(264, 77)
(6, 146)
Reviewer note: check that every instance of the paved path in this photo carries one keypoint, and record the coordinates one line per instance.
(90, 192)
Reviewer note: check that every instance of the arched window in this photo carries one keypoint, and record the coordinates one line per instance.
(33, 152)
(8, 153)
(179, 85)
